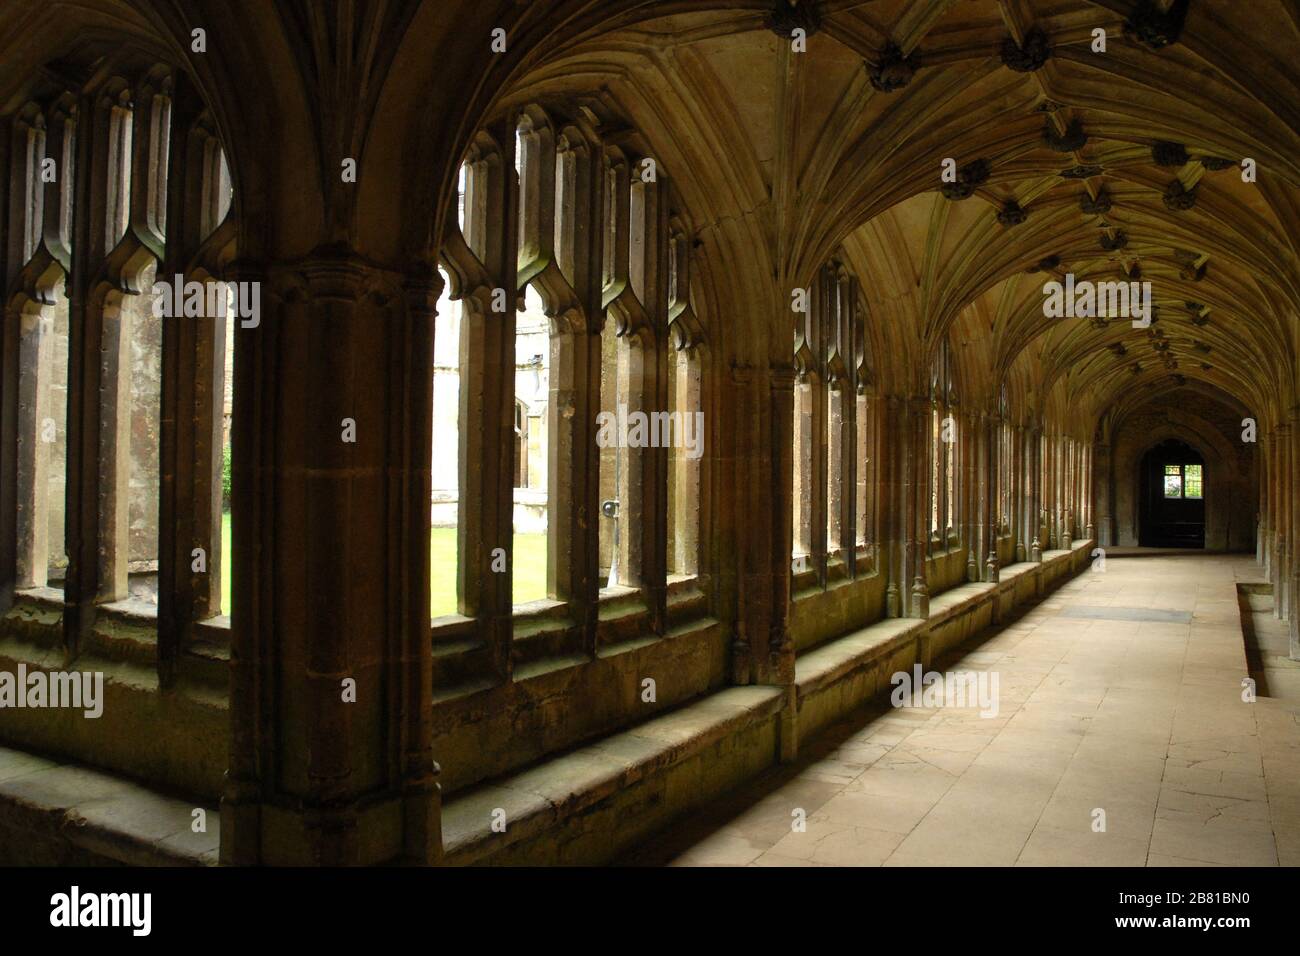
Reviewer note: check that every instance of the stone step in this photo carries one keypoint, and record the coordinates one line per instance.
(587, 805)
(61, 814)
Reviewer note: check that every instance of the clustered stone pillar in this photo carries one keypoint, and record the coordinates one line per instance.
(331, 660)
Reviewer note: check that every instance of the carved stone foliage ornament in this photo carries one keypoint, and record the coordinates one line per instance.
(969, 176)
(1170, 154)
(1179, 198)
(1082, 171)
(1028, 57)
(1073, 138)
(1116, 242)
(1096, 207)
(786, 17)
(1154, 26)
(894, 70)
(1012, 214)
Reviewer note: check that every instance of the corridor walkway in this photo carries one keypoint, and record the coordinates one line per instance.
(1121, 692)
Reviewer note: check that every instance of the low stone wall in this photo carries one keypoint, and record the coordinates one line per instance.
(838, 677)
(175, 740)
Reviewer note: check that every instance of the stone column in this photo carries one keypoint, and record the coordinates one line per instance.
(331, 656)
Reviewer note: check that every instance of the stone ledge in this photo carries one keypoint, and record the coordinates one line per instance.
(63, 814)
(835, 677)
(569, 791)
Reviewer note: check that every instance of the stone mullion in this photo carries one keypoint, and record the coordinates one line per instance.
(85, 481)
(871, 527)
(967, 459)
(114, 446)
(106, 312)
(1067, 502)
(991, 489)
(574, 495)
(888, 505)
(820, 411)
(919, 431)
(849, 468)
(1013, 487)
(32, 345)
(193, 367)
(486, 478)
(1019, 495)
(979, 496)
(654, 527)
(834, 471)
(1077, 524)
(1036, 544)
(965, 515)
(1025, 492)
(1037, 538)
(1046, 479)
(1086, 493)
(846, 299)
(1067, 489)
(15, 170)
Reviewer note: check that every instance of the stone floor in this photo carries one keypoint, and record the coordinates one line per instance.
(1120, 692)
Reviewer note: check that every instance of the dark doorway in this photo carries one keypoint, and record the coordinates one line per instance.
(1172, 497)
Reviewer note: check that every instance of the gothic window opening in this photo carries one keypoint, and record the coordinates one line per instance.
(686, 411)
(540, 214)
(865, 438)
(832, 468)
(444, 506)
(45, 231)
(943, 446)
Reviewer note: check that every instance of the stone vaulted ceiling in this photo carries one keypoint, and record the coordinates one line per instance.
(1116, 165)
(1122, 164)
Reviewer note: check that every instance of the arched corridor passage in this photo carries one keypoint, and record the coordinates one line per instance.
(1119, 693)
(612, 395)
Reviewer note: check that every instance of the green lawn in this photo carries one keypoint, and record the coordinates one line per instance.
(529, 577)
(226, 551)
(529, 580)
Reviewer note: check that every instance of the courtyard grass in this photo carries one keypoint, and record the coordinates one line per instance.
(529, 577)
